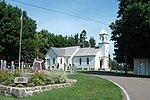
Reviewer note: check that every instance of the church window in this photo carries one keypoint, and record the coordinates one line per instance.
(53, 60)
(80, 60)
(87, 60)
(60, 60)
(67, 60)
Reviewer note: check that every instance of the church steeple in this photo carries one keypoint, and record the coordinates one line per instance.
(103, 36)
(104, 49)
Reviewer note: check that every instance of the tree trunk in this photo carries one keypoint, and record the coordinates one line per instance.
(126, 60)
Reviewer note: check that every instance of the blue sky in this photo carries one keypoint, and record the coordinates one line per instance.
(100, 10)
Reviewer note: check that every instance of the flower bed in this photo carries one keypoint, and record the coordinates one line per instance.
(29, 91)
(37, 78)
(35, 82)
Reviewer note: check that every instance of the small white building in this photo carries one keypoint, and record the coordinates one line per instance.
(81, 58)
(141, 66)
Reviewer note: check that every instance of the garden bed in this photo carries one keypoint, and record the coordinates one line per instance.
(26, 84)
(29, 91)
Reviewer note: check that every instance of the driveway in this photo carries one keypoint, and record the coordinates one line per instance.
(137, 88)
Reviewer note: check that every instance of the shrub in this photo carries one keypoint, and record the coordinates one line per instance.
(12, 84)
(16, 73)
(31, 85)
(56, 76)
(5, 78)
(19, 85)
(38, 79)
(8, 82)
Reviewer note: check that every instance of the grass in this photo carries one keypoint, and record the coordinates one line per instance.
(88, 87)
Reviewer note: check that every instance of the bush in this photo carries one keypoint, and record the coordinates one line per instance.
(19, 85)
(31, 85)
(56, 76)
(16, 73)
(38, 79)
(5, 78)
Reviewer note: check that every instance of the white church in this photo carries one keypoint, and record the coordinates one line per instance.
(80, 58)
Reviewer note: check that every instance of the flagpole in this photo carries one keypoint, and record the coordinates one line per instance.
(20, 40)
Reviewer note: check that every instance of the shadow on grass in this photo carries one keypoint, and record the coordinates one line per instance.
(109, 73)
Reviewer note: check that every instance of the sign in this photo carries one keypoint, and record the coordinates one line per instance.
(21, 80)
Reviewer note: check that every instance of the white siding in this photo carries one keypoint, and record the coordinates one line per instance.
(84, 64)
(61, 65)
(49, 59)
(97, 61)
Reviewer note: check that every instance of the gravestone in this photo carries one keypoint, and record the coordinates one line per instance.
(65, 66)
(1, 64)
(22, 67)
(38, 64)
(72, 69)
(12, 67)
(4, 65)
(21, 80)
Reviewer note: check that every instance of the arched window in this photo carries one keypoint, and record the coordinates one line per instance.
(60, 60)
(87, 61)
(53, 60)
(80, 60)
(67, 60)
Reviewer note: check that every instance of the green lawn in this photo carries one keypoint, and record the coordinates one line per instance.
(87, 88)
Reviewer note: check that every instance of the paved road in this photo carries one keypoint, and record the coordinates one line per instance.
(136, 87)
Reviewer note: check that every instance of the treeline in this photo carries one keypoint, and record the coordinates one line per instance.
(34, 44)
(44, 40)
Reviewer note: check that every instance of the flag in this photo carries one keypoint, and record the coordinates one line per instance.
(21, 19)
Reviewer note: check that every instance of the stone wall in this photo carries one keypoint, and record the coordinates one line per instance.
(29, 91)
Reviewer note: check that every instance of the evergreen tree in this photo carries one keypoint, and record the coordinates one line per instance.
(76, 37)
(92, 42)
(131, 30)
(83, 37)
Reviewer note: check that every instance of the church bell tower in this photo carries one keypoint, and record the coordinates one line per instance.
(104, 50)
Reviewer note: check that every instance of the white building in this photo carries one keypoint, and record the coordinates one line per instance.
(81, 58)
(141, 66)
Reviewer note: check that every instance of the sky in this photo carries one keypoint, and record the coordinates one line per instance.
(104, 11)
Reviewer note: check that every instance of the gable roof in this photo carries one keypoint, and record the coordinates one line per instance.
(87, 52)
(66, 51)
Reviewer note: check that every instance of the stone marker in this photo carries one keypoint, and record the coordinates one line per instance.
(22, 67)
(21, 80)
(1, 64)
(72, 69)
(38, 64)
(12, 67)
(4, 65)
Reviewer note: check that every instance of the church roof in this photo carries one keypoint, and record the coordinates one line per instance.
(66, 51)
(103, 32)
(87, 52)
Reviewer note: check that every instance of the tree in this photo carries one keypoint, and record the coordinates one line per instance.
(70, 41)
(76, 37)
(83, 37)
(38, 42)
(92, 42)
(10, 33)
(131, 30)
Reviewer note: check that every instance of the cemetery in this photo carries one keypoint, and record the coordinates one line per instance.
(26, 82)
